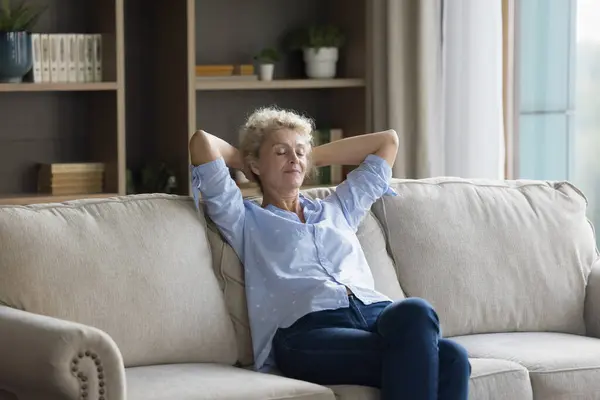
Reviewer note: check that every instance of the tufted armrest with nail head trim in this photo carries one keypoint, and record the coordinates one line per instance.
(49, 358)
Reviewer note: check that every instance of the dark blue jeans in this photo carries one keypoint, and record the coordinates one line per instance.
(393, 346)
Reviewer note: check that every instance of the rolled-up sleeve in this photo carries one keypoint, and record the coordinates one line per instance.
(213, 185)
(363, 186)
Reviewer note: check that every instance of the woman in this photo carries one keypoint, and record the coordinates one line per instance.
(313, 309)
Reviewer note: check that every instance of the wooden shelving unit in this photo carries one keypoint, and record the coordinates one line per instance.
(145, 115)
(44, 198)
(200, 32)
(280, 84)
(59, 87)
(67, 122)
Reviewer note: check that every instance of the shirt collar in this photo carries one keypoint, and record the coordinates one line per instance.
(304, 202)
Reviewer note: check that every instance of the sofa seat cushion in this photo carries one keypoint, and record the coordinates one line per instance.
(354, 392)
(499, 380)
(216, 382)
(490, 379)
(561, 366)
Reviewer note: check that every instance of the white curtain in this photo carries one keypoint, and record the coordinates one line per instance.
(471, 143)
(437, 79)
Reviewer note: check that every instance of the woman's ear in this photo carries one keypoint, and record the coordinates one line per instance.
(254, 168)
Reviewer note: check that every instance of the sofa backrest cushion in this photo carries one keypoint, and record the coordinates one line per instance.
(492, 256)
(137, 267)
(229, 270)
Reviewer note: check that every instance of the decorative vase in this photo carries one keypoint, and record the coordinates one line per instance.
(266, 72)
(321, 62)
(15, 56)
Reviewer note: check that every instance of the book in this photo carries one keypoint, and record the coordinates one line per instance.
(214, 70)
(224, 70)
(72, 167)
(45, 56)
(81, 50)
(61, 58)
(89, 58)
(50, 179)
(53, 44)
(233, 78)
(72, 57)
(97, 57)
(36, 48)
(244, 69)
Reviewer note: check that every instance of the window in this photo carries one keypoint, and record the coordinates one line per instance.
(558, 64)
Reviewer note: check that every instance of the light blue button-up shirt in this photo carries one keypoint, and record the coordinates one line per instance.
(294, 268)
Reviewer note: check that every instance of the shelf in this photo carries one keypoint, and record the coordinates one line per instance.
(58, 87)
(280, 84)
(24, 199)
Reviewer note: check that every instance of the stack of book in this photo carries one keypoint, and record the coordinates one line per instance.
(71, 178)
(243, 72)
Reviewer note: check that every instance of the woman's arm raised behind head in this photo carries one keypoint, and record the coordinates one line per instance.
(353, 150)
(212, 183)
(205, 148)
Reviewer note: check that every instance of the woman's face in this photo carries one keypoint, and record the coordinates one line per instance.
(283, 160)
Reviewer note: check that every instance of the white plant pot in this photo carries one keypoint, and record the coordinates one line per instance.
(321, 63)
(266, 72)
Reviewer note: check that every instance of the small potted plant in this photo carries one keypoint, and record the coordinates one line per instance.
(320, 46)
(16, 56)
(266, 60)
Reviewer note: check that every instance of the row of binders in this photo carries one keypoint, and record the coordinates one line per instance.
(68, 57)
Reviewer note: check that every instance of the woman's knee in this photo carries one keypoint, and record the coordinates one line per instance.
(412, 312)
(454, 356)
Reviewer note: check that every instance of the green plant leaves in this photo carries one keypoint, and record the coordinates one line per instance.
(316, 36)
(267, 55)
(19, 18)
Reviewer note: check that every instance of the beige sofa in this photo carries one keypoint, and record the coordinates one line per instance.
(118, 299)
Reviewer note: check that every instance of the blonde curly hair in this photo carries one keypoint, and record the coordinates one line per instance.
(266, 120)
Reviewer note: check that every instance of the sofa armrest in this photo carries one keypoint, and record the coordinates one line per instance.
(592, 302)
(49, 358)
